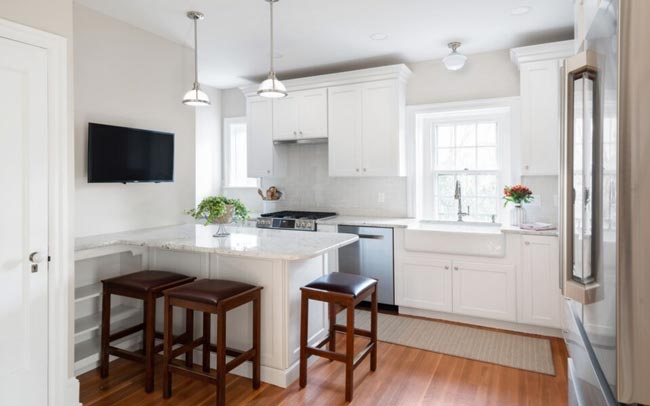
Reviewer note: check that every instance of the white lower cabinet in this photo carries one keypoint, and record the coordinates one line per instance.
(539, 285)
(425, 284)
(485, 290)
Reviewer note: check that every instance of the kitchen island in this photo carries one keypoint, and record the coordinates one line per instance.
(279, 261)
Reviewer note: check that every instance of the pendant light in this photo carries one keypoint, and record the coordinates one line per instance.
(272, 87)
(455, 60)
(196, 97)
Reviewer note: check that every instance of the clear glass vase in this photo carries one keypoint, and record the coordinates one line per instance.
(517, 215)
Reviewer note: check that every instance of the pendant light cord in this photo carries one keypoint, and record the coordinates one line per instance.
(196, 56)
(271, 36)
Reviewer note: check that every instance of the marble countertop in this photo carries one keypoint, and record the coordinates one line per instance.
(243, 241)
(393, 222)
(517, 230)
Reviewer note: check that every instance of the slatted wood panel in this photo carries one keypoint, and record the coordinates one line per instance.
(404, 376)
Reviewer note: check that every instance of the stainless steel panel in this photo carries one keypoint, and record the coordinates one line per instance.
(371, 256)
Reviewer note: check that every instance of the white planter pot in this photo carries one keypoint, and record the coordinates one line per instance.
(517, 215)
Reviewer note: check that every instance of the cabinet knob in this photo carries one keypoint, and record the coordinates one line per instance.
(447, 267)
(526, 167)
(526, 242)
(455, 268)
(357, 169)
(364, 169)
(300, 132)
(268, 171)
(294, 133)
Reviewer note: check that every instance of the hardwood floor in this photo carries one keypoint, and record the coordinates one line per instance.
(404, 376)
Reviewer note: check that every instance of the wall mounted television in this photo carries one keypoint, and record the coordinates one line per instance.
(126, 155)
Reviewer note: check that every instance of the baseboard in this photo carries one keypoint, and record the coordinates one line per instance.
(478, 321)
(72, 392)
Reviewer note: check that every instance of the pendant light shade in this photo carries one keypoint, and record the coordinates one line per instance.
(196, 97)
(271, 87)
(455, 60)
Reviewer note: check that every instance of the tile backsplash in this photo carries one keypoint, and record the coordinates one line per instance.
(308, 186)
(544, 207)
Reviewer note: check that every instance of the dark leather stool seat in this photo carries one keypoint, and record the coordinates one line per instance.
(209, 291)
(342, 283)
(340, 291)
(146, 286)
(211, 296)
(144, 281)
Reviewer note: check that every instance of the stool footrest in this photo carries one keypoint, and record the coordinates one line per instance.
(231, 352)
(334, 356)
(357, 331)
(126, 332)
(187, 347)
(179, 368)
(130, 355)
(240, 359)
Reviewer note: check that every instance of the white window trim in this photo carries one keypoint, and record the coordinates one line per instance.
(416, 120)
(227, 123)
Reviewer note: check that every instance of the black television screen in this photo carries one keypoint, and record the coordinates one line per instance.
(121, 154)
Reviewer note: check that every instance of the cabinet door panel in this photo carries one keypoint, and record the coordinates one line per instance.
(485, 290)
(424, 284)
(285, 117)
(344, 119)
(380, 140)
(540, 294)
(259, 137)
(540, 98)
(312, 114)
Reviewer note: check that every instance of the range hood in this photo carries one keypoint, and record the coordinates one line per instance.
(302, 141)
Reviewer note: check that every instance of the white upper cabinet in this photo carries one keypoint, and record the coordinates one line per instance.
(345, 130)
(540, 296)
(360, 113)
(366, 129)
(262, 158)
(300, 115)
(541, 83)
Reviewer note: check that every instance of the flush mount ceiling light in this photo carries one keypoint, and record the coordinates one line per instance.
(455, 60)
(196, 97)
(520, 11)
(271, 87)
(378, 36)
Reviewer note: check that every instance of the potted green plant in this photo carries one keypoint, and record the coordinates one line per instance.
(219, 210)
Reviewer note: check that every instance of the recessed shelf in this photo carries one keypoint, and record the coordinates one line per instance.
(93, 321)
(87, 292)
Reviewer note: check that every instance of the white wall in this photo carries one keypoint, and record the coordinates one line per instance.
(208, 146)
(128, 77)
(308, 186)
(486, 75)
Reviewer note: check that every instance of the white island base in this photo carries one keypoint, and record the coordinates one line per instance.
(281, 277)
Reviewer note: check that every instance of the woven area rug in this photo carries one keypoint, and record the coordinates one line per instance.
(510, 350)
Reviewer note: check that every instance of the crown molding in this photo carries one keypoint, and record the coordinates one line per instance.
(542, 52)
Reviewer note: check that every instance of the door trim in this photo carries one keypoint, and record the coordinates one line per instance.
(63, 387)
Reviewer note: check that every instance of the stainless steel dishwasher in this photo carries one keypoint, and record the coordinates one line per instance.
(371, 256)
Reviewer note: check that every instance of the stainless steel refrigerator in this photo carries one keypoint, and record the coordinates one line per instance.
(605, 211)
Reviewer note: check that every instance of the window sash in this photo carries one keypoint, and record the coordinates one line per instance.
(234, 164)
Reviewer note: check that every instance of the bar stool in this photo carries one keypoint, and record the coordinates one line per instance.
(339, 290)
(146, 286)
(211, 296)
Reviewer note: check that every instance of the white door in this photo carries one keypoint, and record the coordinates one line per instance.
(380, 129)
(23, 220)
(540, 291)
(485, 290)
(312, 114)
(344, 119)
(424, 284)
(285, 117)
(259, 137)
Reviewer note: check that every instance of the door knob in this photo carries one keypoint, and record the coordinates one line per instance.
(35, 257)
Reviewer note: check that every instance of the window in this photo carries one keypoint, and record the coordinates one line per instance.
(235, 155)
(466, 147)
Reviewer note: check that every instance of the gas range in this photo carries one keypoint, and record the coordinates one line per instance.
(292, 220)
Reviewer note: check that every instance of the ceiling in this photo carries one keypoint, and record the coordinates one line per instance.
(314, 37)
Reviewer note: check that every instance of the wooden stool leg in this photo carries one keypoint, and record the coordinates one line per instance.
(332, 333)
(221, 358)
(257, 326)
(106, 332)
(304, 317)
(167, 375)
(373, 330)
(206, 342)
(189, 333)
(349, 353)
(149, 341)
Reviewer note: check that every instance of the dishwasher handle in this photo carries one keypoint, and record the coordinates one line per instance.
(370, 236)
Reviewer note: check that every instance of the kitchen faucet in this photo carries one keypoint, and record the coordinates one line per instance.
(458, 196)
